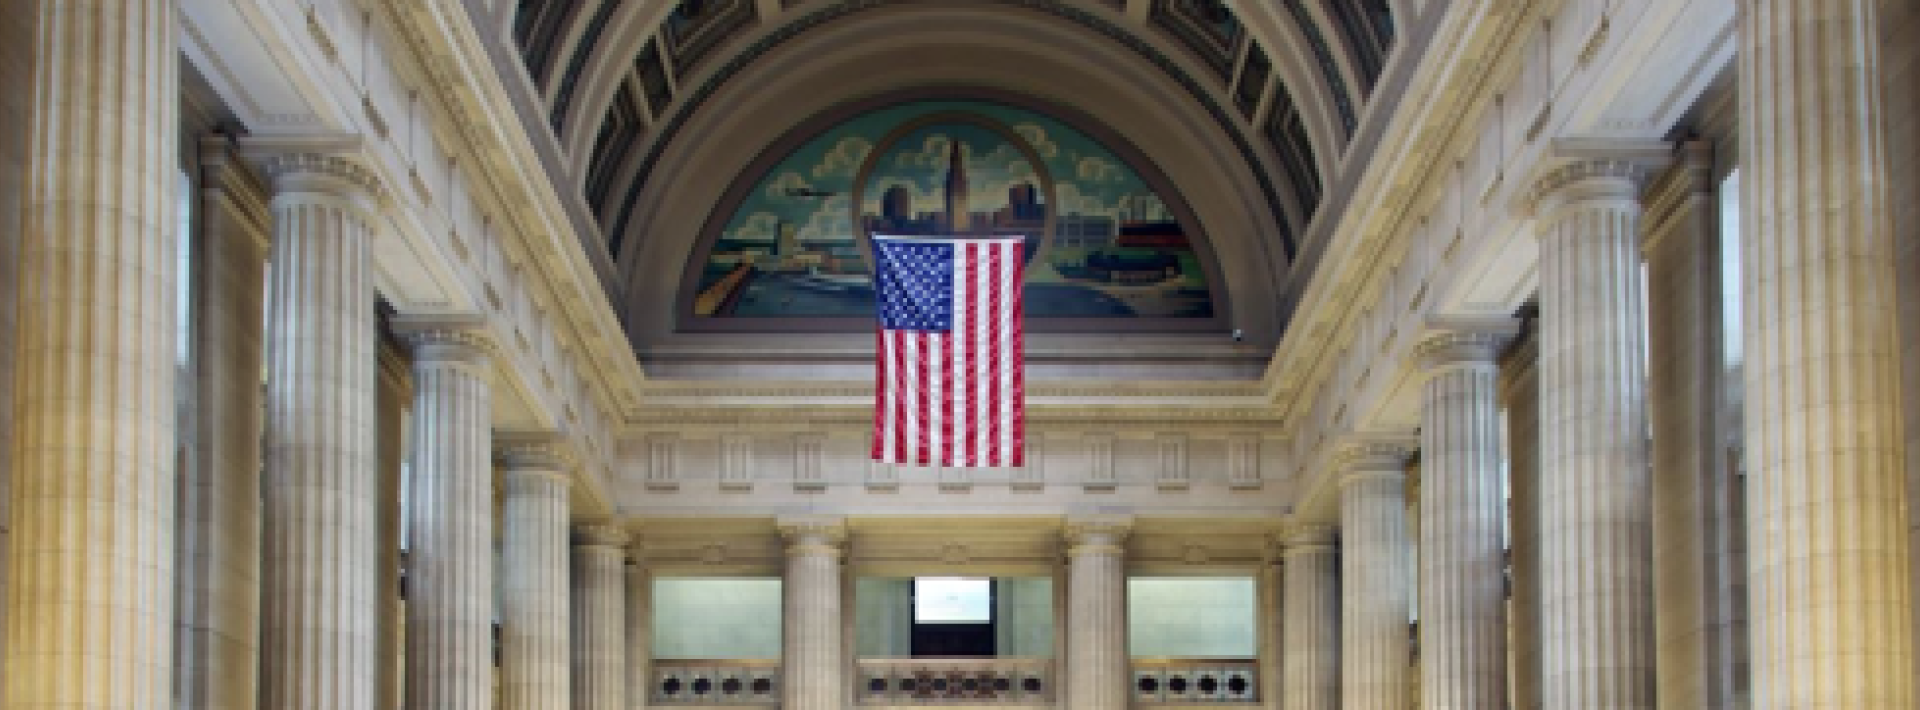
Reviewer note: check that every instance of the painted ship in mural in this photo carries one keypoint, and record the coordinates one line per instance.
(1100, 243)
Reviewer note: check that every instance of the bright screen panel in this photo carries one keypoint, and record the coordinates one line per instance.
(952, 600)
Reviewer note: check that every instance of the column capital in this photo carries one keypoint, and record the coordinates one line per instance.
(1587, 180)
(1097, 534)
(1446, 350)
(1371, 457)
(1305, 538)
(812, 534)
(532, 451)
(445, 337)
(601, 535)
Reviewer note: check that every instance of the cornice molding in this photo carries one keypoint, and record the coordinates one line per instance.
(1306, 538)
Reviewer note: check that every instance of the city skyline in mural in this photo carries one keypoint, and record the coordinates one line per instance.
(1101, 243)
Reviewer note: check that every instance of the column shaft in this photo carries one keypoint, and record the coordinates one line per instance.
(1520, 388)
(534, 615)
(1376, 569)
(91, 554)
(1098, 666)
(450, 585)
(16, 117)
(1832, 602)
(1312, 664)
(1693, 523)
(810, 644)
(393, 392)
(319, 611)
(217, 644)
(639, 635)
(1463, 596)
(1596, 562)
(600, 619)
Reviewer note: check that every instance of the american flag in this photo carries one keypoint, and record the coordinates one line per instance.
(949, 388)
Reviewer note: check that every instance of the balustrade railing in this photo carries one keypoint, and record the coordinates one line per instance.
(1195, 680)
(954, 681)
(715, 682)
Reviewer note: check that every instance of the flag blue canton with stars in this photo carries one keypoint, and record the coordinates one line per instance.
(915, 289)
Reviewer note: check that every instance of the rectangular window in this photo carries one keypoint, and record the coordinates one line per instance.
(952, 600)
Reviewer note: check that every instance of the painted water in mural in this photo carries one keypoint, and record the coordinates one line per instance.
(1101, 243)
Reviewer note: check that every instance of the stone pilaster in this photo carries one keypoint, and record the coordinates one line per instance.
(319, 614)
(600, 618)
(450, 585)
(813, 677)
(534, 621)
(1596, 561)
(639, 633)
(1376, 569)
(392, 394)
(1463, 630)
(91, 555)
(1273, 648)
(1312, 625)
(1098, 666)
(1520, 391)
(1832, 603)
(216, 646)
(1693, 521)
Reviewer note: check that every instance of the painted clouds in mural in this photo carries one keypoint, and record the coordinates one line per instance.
(1100, 242)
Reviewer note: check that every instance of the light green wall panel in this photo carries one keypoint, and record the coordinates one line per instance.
(1187, 617)
(716, 618)
(1024, 611)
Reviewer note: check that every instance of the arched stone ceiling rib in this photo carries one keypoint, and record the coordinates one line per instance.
(608, 65)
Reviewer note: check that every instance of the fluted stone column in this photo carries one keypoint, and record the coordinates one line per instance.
(17, 28)
(639, 633)
(1832, 602)
(450, 585)
(1098, 666)
(1463, 629)
(812, 677)
(393, 392)
(319, 606)
(1520, 391)
(91, 554)
(1376, 570)
(1312, 625)
(1596, 557)
(1693, 521)
(217, 644)
(534, 614)
(600, 618)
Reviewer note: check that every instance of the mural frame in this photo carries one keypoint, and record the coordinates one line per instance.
(748, 178)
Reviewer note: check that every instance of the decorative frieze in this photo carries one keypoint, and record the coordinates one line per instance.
(1243, 461)
(883, 476)
(1172, 473)
(1101, 476)
(1032, 475)
(809, 465)
(736, 462)
(662, 473)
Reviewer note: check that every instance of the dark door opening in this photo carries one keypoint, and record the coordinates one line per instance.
(953, 617)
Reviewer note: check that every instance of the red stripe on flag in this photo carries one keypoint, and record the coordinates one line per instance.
(993, 346)
(880, 393)
(922, 433)
(969, 317)
(1016, 357)
(899, 404)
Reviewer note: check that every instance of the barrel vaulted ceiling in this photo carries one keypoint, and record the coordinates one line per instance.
(1250, 110)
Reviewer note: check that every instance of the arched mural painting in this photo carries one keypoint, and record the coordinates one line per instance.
(1102, 242)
